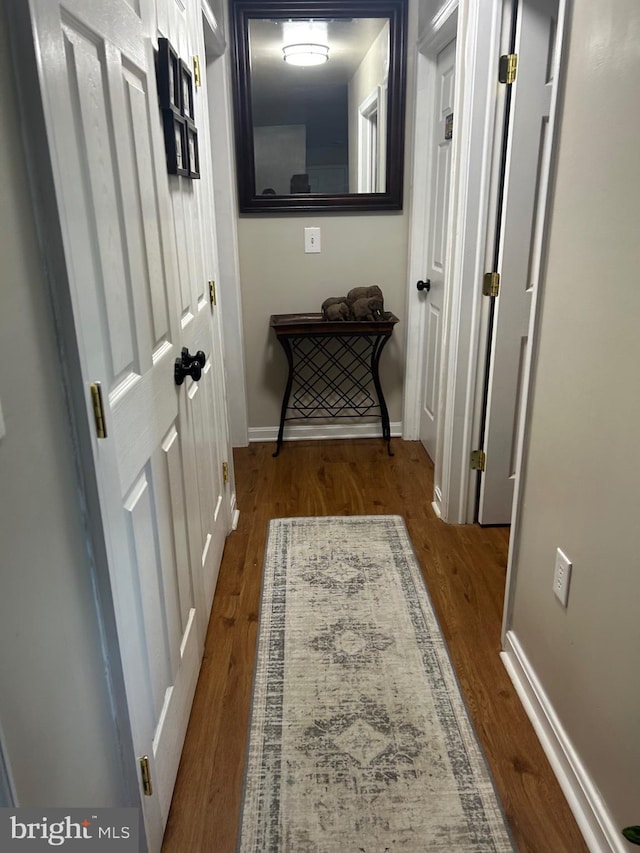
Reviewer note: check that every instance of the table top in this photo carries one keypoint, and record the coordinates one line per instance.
(313, 324)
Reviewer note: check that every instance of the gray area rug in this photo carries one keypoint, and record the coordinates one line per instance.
(359, 739)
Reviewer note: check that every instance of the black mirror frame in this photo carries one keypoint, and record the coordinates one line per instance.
(242, 11)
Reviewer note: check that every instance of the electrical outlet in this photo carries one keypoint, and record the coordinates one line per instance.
(562, 577)
(311, 240)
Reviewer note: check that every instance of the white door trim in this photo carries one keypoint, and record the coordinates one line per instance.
(368, 148)
(478, 39)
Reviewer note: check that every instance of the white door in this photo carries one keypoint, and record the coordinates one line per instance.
(194, 229)
(437, 244)
(136, 300)
(526, 178)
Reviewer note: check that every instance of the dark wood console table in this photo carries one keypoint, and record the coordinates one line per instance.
(332, 366)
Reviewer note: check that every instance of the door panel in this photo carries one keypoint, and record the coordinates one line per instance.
(172, 474)
(526, 178)
(437, 246)
(434, 336)
(200, 333)
(193, 222)
(208, 478)
(140, 507)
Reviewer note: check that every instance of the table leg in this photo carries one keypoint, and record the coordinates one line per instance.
(384, 413)
(286, 346)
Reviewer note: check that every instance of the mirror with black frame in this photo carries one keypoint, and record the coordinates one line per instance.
(319, 97)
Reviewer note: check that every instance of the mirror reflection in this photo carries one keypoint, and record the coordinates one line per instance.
(319, 98)
(319, 102)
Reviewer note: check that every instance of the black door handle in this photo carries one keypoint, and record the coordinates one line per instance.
(189, 365)
(424, 285)
(188, 359)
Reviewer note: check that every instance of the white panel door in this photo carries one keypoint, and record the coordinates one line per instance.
(192, 202)
(437, 245)
(526, 178)
(134, 308)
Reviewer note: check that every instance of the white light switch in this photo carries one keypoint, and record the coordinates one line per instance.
(562, 577)
(311, 240)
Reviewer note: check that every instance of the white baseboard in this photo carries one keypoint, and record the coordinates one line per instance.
(300, 432)
(589, 809)
(234, 512)
(436, 504)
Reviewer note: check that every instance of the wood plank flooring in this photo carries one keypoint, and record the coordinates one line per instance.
(464, 567)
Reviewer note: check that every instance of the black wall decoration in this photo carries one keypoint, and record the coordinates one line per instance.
(175, 97)
(192, 151)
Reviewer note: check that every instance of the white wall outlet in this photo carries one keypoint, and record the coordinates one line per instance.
(562, 577)
(311, 240)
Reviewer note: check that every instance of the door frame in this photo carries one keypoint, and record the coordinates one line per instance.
(477, 28)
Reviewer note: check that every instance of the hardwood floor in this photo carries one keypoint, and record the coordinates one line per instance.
(464, 567)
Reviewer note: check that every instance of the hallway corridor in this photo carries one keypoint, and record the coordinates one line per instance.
(464, 567)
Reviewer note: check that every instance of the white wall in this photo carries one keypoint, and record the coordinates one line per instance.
(54, 708)
(580, 485)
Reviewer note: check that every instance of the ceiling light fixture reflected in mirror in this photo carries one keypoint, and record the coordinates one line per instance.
(306, 54)
(305, 43)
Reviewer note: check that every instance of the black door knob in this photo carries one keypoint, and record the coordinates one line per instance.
(188, 359)
(189, 365)
(424, 285)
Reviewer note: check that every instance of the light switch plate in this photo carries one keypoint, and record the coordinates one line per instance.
(311, 240)
(562, 577)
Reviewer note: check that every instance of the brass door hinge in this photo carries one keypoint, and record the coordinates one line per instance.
(508, 68)
(146, 776)
(212, 293)
(225, 472)
(491, 284)
(197, 79)
(478, 460)
(98, 409)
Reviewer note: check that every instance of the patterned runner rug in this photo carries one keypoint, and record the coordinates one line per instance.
(359, 739)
